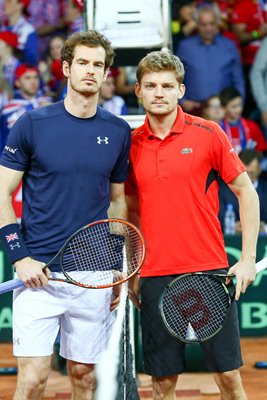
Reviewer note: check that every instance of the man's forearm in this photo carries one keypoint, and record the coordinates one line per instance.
(118, 209)
(7, 214)
(9, 180)
(250, 222)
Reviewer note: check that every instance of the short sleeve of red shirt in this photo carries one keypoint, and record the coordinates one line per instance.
(226, 161)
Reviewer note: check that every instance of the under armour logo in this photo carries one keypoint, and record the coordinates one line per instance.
(102, 140)
(16, 341)
(12, 246)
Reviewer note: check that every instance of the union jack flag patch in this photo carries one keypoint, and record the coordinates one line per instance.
(11, 237)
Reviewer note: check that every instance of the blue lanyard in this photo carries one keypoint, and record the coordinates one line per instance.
(242, 136)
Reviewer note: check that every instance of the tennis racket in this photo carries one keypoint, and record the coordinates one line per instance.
(101, 254)
(194, 306)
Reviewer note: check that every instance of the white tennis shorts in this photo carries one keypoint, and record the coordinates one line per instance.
(81, 316)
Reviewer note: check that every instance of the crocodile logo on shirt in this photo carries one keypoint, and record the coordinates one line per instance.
(187, 150)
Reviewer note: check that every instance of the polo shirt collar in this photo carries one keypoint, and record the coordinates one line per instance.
(177, 127)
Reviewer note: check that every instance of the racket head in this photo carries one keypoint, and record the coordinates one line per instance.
(103, 254)
(193, 307)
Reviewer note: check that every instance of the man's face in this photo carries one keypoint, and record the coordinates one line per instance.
(186, 11)
(86, 73)
(207, 26)
(11, 7)
(55, 47)
(214, 110)
(234, 109)
(28, 83)
(72, 12)
(3, 48)
(159, 92)
(108, 88)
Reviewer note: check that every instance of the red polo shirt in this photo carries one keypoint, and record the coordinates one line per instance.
(175, 179)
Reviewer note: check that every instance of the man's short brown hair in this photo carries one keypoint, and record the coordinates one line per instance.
(157, 61)
(90, 38)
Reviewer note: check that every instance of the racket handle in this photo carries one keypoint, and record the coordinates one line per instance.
(261, 265)
(8, 286)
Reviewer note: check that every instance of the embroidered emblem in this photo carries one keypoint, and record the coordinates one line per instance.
(187, 150)
(11, 237)
(102, 140)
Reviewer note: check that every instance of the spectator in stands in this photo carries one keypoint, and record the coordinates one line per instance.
(1, 12)
(212, 109)
(51, 68)
(125, 84)
(225, 8)
(27, 97)
(6, 92)
(249, 23)
(183, 22)
(107, 98)
(252, 161)
(8, 61)
(258, 81)
(45, 16)
(242, 132)
(14, 11)
(211, 61)
(74, 16)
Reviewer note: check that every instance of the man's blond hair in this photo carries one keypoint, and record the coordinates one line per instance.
(157, 61)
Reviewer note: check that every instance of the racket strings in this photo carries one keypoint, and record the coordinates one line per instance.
(110, 250)
(195, 306)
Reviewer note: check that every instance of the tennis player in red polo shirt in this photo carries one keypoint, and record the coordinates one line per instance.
(175, 162)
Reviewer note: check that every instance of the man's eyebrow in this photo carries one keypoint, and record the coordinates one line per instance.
(82, 59)
(86, 60)
(161, 83)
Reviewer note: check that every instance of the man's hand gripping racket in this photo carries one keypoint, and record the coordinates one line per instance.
(193, 307)
(101, 254)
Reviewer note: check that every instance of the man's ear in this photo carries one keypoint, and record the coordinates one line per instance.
(66, 69)
(181, 91)
(105, 74)
(137, 90)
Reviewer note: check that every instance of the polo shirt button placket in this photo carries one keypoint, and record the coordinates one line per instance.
(161, 161)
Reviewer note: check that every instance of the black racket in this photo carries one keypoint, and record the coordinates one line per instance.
(102, 254)
(194, 306)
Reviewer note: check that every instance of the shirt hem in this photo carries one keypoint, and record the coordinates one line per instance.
(185, 270)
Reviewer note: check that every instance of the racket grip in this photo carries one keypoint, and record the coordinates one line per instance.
(8, 286)
(261, 265)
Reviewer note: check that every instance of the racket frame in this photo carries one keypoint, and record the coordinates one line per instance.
(70, 280)
(182, 276)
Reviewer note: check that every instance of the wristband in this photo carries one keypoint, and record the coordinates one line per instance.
(13, 243)
(255, 35)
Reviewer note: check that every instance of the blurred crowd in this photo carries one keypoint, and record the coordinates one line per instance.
(223, 45)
